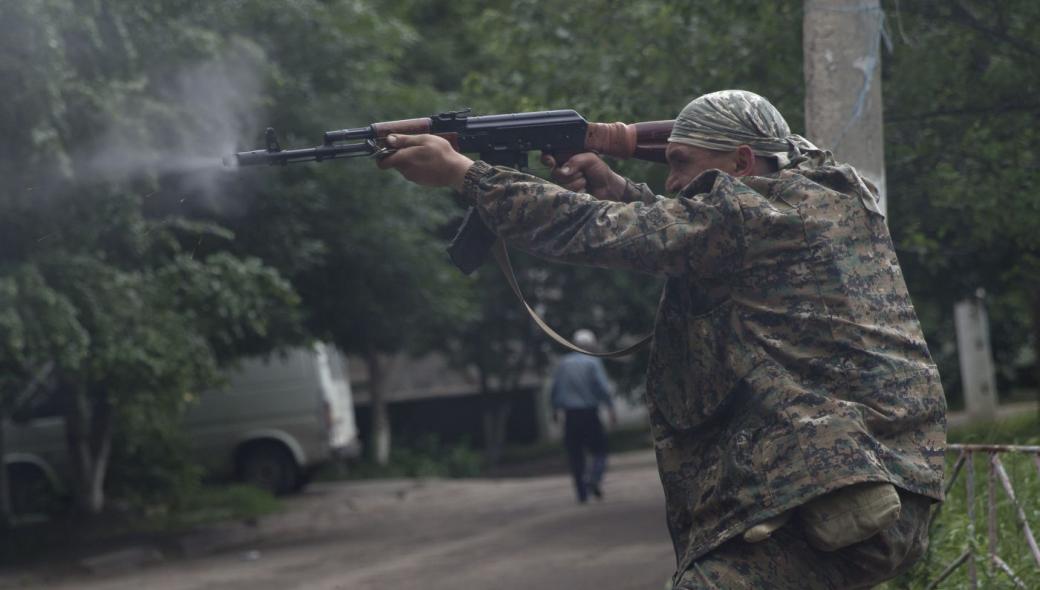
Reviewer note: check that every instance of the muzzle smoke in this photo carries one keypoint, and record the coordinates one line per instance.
(203, 113)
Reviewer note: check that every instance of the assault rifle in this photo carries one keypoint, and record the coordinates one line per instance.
(501, 140)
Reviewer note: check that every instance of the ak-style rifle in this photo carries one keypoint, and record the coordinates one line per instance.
(501, 140)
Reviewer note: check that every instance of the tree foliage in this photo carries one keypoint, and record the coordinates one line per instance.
(132, 314)
(960, 89)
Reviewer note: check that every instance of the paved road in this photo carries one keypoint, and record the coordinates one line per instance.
(509, 534)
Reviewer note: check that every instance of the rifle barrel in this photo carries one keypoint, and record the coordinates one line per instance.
(283, 157)
(332, 137)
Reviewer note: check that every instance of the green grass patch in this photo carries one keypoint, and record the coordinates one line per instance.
(202, 505)
(1023, 429)
(953, 532)
(212, 504)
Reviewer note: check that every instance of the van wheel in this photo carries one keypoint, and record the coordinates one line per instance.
(269, 466)
(31, 491)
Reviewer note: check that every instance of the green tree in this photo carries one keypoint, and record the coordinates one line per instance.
(962, 166)
(39, 334)
(94, 129)
(368, 267)
(361, 247)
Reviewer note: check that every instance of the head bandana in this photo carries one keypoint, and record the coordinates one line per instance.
(728, 119)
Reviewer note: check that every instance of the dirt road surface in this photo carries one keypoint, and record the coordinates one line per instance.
(505, 534)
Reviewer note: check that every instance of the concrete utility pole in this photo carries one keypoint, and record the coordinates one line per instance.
(843, 113)
(976, 358)
(842, 60)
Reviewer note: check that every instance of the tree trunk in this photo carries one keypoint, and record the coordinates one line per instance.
(101, 448)
(1036, 346)
(88, 435)
(495, 419)
(544, 411)
(379, 452)
(5, 485)
(497, 406)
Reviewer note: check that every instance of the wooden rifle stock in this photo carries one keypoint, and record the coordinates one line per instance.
(643, 141)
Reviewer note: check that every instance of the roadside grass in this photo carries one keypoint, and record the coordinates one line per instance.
(211, 504)
(63, 536)
(952, 532)
(426, 457)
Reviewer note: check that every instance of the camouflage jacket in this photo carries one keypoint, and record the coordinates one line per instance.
(787, 359)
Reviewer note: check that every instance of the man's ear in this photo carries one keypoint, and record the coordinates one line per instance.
(744, 161)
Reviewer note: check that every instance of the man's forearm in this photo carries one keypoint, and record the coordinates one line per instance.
(662, 237)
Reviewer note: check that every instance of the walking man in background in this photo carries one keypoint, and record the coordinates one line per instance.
(579, 387)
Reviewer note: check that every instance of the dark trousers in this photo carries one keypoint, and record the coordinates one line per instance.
(583, 433)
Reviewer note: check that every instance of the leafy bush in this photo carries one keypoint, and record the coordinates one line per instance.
(218, 503)
(151, 471)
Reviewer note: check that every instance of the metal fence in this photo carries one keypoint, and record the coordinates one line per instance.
(996, 474)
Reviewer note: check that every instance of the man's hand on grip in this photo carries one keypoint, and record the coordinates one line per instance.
(587, 173)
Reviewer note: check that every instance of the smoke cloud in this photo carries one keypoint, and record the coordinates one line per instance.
(202, 112)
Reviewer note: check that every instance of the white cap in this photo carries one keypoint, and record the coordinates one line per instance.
(584, 338)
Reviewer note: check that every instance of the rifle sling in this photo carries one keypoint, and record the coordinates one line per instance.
(502, 258)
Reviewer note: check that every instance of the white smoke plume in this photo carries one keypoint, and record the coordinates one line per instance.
(206, 111)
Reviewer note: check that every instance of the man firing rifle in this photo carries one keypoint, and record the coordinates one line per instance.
(797, 415)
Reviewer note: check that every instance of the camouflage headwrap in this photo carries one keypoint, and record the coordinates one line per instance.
(727, 119)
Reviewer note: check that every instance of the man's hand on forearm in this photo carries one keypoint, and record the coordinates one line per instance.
(428, 160)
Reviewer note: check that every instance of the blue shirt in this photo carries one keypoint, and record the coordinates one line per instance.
(580, 382)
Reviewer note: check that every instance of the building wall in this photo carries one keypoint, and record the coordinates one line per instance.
(453, 420)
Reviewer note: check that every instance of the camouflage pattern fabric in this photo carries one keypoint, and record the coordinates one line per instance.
(727, 119)
(786, 561)
(787, 360)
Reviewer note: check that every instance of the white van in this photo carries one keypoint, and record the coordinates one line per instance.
(276, 420)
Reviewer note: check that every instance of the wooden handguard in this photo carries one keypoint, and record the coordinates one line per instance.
(403, 127)
(645, 141)
(411, 127)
